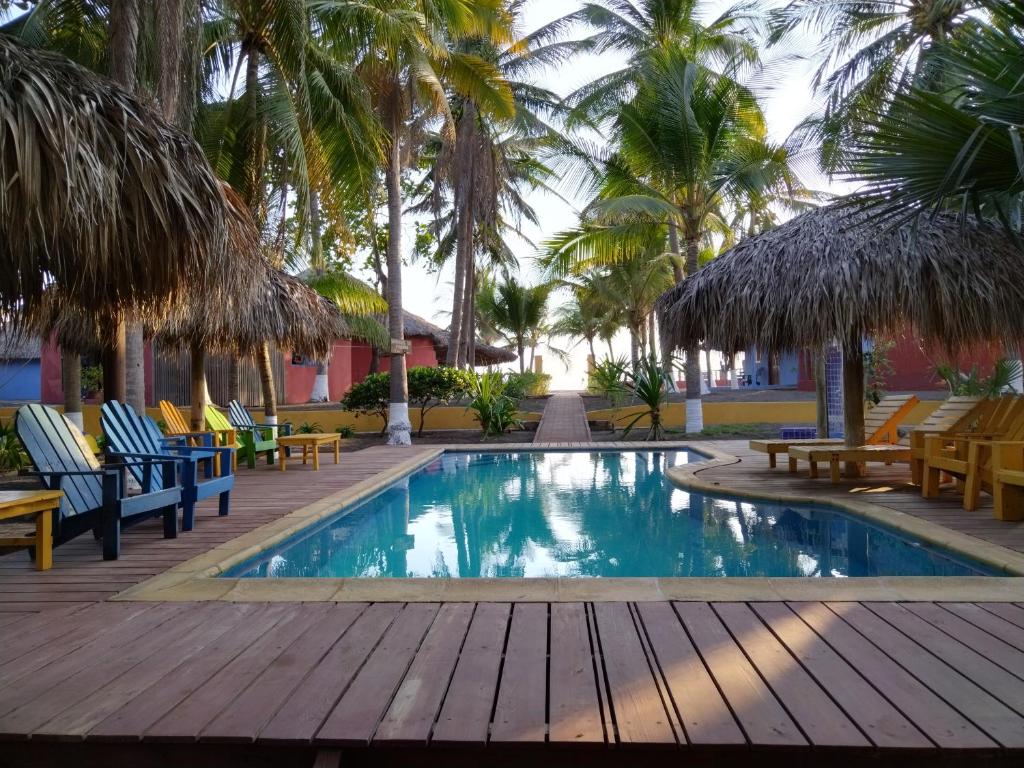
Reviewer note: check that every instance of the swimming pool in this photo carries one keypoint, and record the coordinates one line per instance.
(586, 514)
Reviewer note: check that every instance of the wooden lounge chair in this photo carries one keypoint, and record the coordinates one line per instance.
(969, 458)
(254, 438)
(958, 413)
(178, 427)
(95, 495)
(1008, 480)
(132, 436)
(880, 426)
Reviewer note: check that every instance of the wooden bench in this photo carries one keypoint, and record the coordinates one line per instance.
(309, 441)
(836, 455)
(42, 504)
(1008, 481)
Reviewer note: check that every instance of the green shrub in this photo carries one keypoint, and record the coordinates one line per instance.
(974, 384)
(370, 396)
(431, 387)
(608, 380)
(11, 456)
(528, 384)
(646, 383)
(308, 428)
(346, 431)
(92, 379)
(496, 410)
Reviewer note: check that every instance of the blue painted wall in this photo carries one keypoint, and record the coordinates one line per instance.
(20, 380)
(789, 368)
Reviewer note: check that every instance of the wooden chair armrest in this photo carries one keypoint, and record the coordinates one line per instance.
(1007, 454)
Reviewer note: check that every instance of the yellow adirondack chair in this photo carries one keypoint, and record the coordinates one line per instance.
(969, 457)
(218, 423)
(1008, 480)
(178, 427)
(881, 427)
(957, 414)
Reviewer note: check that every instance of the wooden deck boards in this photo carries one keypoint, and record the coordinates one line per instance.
(845, 677)
(276, 682)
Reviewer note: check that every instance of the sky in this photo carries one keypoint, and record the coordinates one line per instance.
(787, 98)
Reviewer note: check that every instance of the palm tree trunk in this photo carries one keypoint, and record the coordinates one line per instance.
(234, 379)
(707, 361)
(521, 349)
(321, 386)
(467, 356)
(124, 38)
(267, 385)
(694, 405)
(135, 366)
(71, 381)
(197, 414)
(399, 426)
(634, 345)
(820, 393)
(463, 228)
(652, 343)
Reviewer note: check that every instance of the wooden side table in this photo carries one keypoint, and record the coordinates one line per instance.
(40, 503)
(311, 441)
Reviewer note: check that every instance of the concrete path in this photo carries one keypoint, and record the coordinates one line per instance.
(564, 420)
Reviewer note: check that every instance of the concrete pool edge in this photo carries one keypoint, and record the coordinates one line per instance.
(200, 578)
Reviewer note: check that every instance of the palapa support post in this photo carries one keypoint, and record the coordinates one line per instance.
(853, 397)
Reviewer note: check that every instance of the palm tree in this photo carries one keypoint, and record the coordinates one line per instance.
(516, 311)
(405, 65)
(871, 49)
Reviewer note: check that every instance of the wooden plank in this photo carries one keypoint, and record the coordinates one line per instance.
(940, 722)
(519, 710)
(242, 719)
(981, 708)
(15, 618)
(703, 712)
(574, 708)
(466, 711)
(360, 708)
(56, 670)
(881, 721)
(1009, 633)
(66, 688)
(636, 702)
(299, 717)
(214, 620)
(411, 715)
(986, 674)
(188, 718)
(756, 708)
(1006, 611)
(816, 714)
(991, 647)
(137, 715)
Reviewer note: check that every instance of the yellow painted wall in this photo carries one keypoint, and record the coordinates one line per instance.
(457, 417)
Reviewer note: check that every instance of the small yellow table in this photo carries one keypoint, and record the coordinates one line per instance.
(309, 442)
(41, 504)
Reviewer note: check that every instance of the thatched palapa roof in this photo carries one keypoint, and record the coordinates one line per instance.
(835, 273)
(97, 191)
(485, 353)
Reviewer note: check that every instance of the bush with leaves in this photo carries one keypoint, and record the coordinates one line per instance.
(495, 408)
(973, 384)
(11, 456)
(371, 397)
(528, 384)
(431, 387)
(607, 378)
(347, 431)
(647, 383)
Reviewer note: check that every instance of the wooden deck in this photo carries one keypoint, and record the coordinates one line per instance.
(564, 420)
(98, 682)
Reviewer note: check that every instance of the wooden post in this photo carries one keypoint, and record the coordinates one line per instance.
(820, 392)
(853, 396)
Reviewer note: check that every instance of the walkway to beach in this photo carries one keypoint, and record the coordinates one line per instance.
(564, 420)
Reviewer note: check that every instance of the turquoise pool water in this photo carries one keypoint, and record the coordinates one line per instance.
(579, 514)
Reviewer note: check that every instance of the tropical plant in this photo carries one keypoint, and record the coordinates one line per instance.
(607, 378)
(347, 431)
(370, 396)
(92, 379)
(495, 408)
(956, 142)
(528, 384)
(430, 387)
(974, 384)
(646, 383)
(11, 455)
(870, 50)
(518, 312)
(877, 370)
(309, 428)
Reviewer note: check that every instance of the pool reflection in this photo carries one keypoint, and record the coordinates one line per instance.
(578, 514)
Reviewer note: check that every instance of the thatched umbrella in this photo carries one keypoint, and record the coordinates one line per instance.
(485, 354)
(838, 274)
(97, 191)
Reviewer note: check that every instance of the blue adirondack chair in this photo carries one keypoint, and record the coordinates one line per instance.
(252, 437)
(95, 495)
(131, 436)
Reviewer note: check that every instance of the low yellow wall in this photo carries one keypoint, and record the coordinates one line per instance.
(457, 417)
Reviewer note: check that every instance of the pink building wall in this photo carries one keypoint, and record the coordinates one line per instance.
(51, 388)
